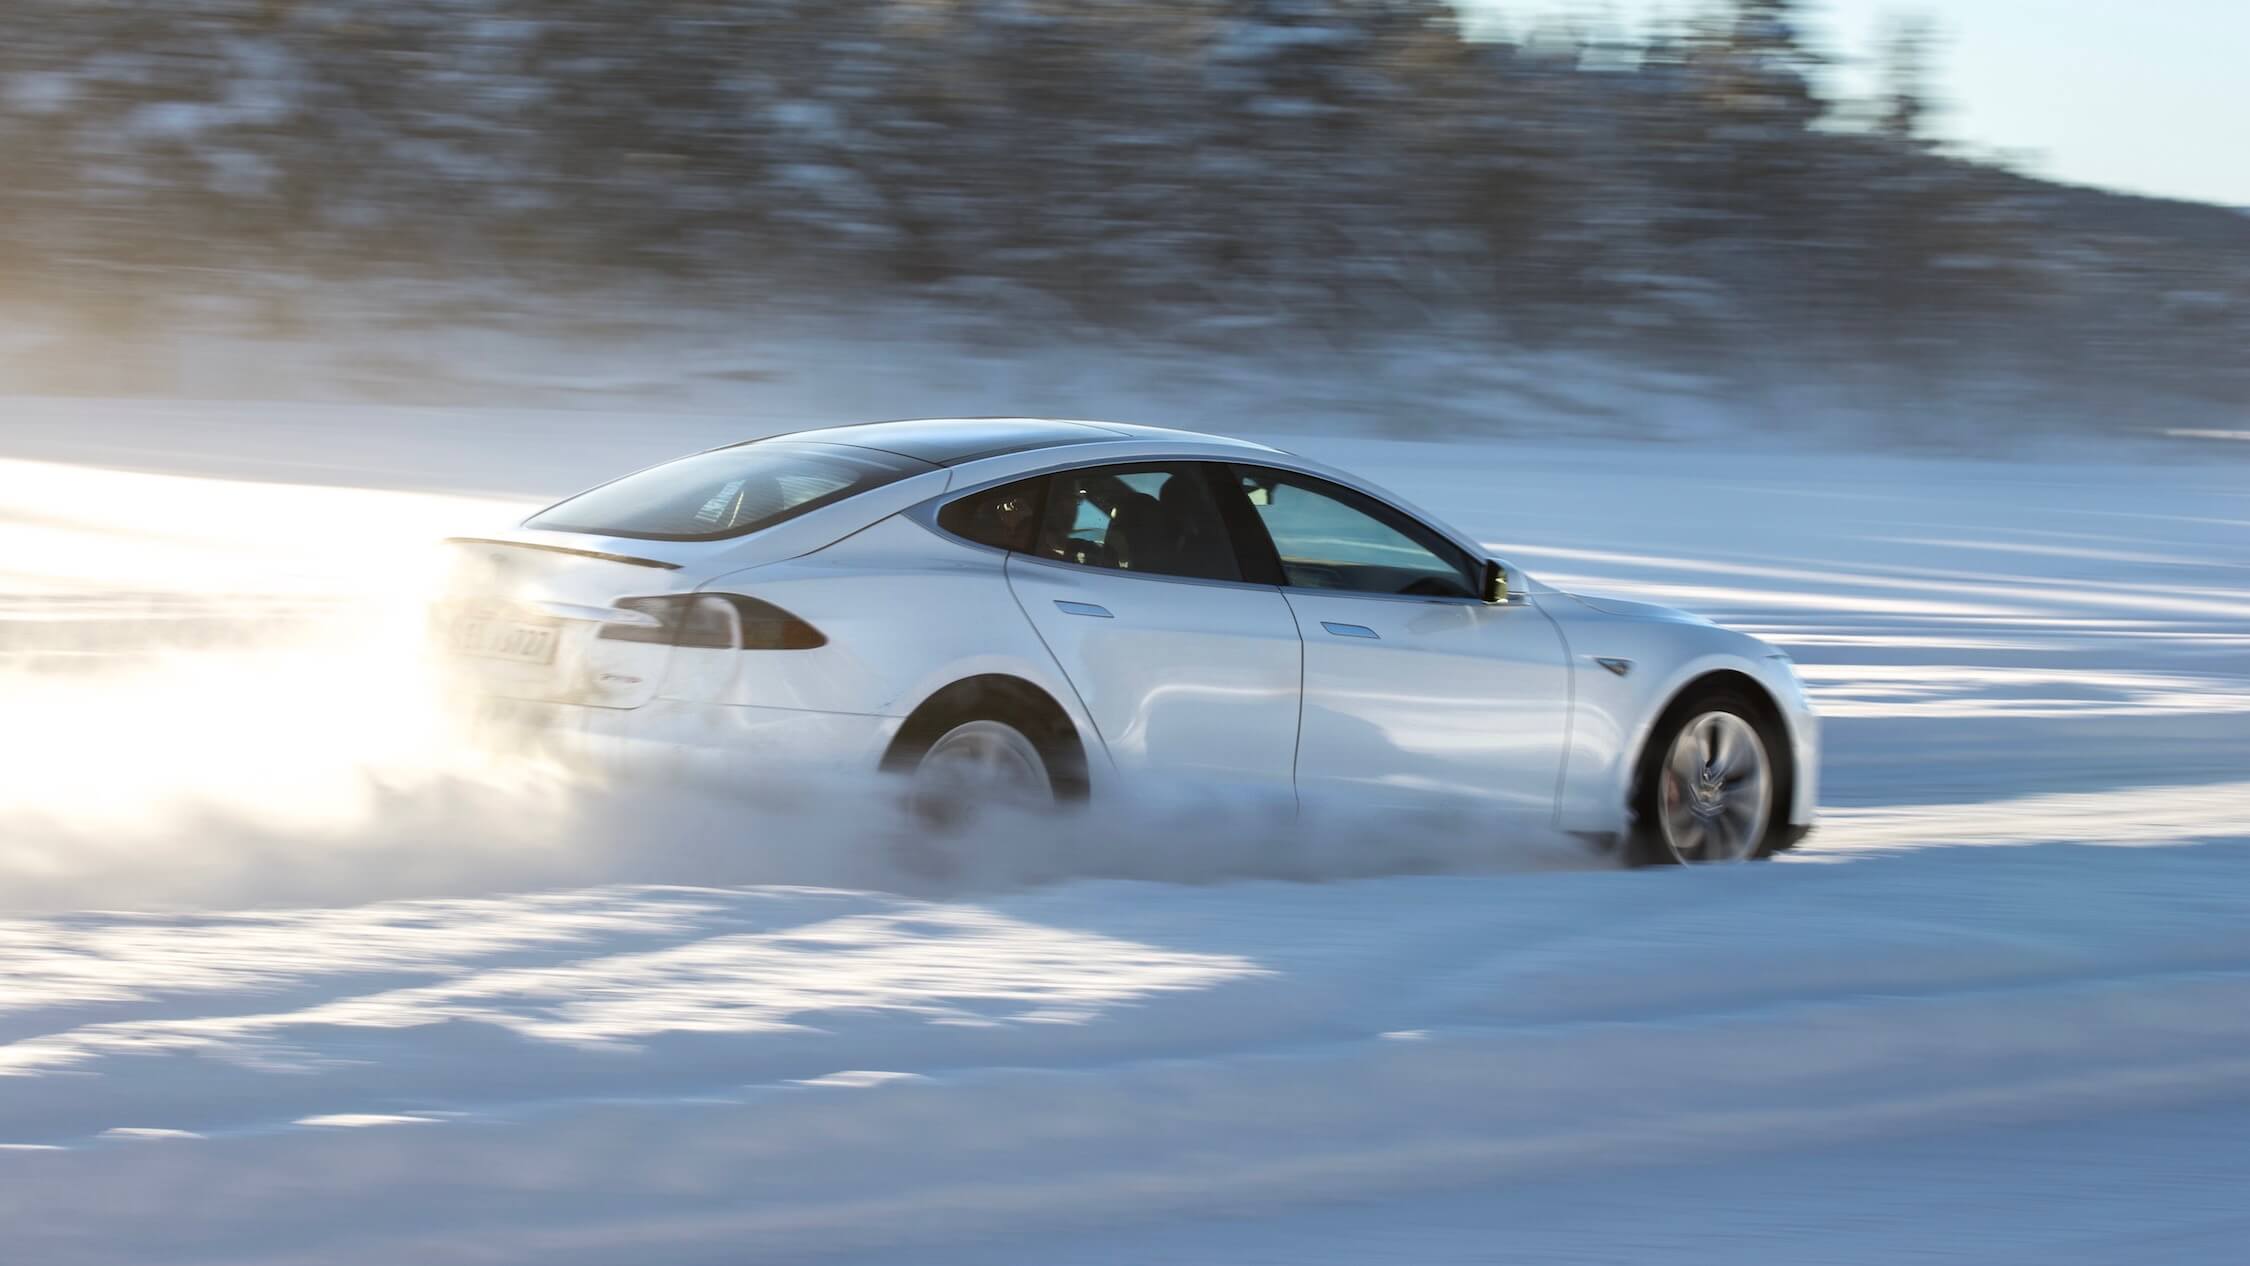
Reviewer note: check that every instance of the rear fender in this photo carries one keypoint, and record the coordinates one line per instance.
(906, 613)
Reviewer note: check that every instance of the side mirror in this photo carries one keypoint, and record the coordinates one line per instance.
(1495, 581)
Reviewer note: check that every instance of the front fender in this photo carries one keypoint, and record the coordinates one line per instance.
(1614, 717)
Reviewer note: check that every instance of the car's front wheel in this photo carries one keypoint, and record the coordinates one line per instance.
(1709, 787)
(979, 765)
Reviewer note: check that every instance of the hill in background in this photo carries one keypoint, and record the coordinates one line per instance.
(1241, 185)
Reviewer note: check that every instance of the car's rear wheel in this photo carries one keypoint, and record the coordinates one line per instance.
(1708, 790)
(975, 766)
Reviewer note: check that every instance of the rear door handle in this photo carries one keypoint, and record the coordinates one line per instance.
(1351, 630)
(1083, 608)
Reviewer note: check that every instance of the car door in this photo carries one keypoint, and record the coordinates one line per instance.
(1187, 670)
(1417, 692)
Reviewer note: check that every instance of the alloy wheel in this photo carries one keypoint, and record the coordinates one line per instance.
(1715, 792)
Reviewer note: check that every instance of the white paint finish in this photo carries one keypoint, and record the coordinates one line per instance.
(1451, 702)
(743, 746)
(1159, 443)
(907, 612)
(1612, 718)
(1188, 680)
(1448, 704)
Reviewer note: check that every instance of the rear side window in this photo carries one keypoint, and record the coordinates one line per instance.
(727, 491)
(1003, 518)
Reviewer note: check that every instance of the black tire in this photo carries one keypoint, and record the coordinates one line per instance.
(936, 848)
(1010, 701)
(1645, 840)
(1010, 771)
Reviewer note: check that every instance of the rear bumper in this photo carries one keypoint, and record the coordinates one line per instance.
(672, 738)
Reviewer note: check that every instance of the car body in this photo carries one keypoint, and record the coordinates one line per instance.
(1183, 609)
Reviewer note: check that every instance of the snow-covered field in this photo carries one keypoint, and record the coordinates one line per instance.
(381, 999)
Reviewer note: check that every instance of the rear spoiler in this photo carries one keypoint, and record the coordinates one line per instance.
(599, 615)
(627, 559)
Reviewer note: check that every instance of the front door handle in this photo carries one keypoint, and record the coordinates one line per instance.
(1351, 630)
(1083, 608)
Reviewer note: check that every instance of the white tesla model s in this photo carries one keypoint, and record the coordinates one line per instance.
(1046, 611)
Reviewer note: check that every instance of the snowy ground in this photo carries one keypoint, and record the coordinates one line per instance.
(388, 1002)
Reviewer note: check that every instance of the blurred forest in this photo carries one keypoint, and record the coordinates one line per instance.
(1179, 169)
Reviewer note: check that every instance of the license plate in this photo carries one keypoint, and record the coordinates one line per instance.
(514, 640)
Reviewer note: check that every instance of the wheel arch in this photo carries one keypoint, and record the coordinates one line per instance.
(998, 697)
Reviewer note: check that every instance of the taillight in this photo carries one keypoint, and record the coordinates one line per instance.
(766, 627)
(713, 621)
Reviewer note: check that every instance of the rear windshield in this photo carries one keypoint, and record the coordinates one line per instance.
(727, 491)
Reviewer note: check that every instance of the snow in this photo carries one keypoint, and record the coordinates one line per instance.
(2143, 1187)
(295, 976)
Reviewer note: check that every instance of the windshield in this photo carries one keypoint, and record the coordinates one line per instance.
(727, 491)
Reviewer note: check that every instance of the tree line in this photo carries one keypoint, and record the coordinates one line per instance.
(1162, 164)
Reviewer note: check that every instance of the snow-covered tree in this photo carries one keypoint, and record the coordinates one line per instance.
(1180, 164)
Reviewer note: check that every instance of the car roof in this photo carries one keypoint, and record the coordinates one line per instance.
(954, 441)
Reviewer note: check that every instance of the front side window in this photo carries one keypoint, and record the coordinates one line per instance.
(727, 491)
(1156, 520)
(1330, 537)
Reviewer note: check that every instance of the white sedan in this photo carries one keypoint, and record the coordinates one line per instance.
(1046, 611)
